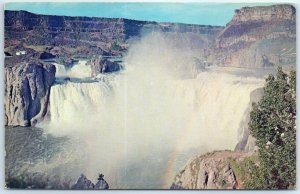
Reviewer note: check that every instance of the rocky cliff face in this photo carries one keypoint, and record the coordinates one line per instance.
(27, 88)
(259, 37)
(86, 34)
(251, 24)
(256, 36)
(247, 142)
(210, 171)
(265, 13)
(62, 30)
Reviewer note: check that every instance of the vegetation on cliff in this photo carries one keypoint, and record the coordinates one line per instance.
(273, 124)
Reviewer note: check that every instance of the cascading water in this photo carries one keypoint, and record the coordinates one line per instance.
(80, 70)
(140, 126)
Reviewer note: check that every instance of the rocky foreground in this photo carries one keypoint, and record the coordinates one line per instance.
(83, 183)
(216, 170)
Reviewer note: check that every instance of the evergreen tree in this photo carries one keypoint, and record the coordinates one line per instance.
(273, 124)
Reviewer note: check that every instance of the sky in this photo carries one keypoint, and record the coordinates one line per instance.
(191, 13)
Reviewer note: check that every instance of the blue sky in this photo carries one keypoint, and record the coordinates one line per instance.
(192, 13)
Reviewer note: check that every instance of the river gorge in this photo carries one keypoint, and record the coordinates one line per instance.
(136, 104)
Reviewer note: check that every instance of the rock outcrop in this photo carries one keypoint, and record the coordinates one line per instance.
(250, 24)
(27, 89)
(210, 171)
(102, 65)
(83, 183)
(265, 13)
(259, 37)
(101, 184)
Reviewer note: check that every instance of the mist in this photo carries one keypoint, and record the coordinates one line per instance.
(140, 126)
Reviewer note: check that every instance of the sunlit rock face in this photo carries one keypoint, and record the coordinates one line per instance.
(27, 92)
(259, 37)
(210, 171)
(265, 13)
(251, 24)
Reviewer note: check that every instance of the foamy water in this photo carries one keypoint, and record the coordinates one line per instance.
(80, 70)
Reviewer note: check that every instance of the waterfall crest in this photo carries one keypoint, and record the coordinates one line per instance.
(80, 70)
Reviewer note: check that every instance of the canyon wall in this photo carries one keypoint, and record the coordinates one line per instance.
(259, 37)
(27, 91)
(87, 34)
(256, 37)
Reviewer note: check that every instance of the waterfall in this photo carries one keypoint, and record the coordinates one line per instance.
(80, 70)
(121, 124)
(140, 126)
(74, 102)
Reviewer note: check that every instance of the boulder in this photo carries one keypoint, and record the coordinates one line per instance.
(83, 183)
(46, 55)
(103, 65)
(66, 61)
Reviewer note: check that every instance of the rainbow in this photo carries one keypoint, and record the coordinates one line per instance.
(172, 161)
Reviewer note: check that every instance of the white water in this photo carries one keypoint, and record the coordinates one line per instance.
(140, 126)
(81, 70)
